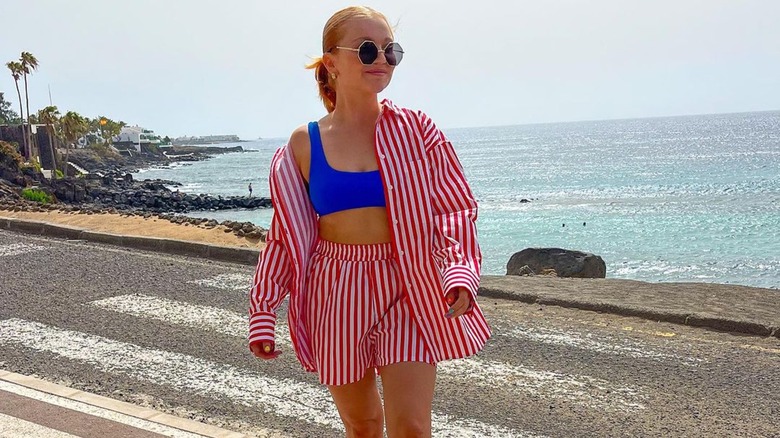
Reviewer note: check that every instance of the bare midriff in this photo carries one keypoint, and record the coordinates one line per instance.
(356, 226)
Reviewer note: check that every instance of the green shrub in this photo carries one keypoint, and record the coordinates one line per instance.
(58, 174)
(36, 195)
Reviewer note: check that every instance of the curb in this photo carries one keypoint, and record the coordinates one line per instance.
(689, 319)
(244, 256)
(129, 409)
(250, 256)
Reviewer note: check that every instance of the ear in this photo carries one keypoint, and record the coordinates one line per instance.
(329, 61)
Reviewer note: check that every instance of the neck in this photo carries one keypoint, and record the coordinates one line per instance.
(356, 109)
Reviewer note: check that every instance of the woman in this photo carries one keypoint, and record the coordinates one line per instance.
(374, 239)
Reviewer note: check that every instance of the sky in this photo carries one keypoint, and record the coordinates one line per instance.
(195, 67)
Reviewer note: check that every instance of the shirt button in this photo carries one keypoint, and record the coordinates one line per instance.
(401, 253)
(381, 156)
(395, 221)
(391, 187)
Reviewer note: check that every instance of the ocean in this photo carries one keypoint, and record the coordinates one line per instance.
(689, 198)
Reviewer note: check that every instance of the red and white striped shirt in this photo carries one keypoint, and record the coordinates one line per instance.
(432, 214)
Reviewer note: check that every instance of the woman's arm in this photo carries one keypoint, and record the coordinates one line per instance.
(456, 248)
(273, 275)
(270, 286)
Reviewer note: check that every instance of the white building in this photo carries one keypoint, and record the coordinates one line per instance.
(136, 137)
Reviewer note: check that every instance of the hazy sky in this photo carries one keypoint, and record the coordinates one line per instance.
(199, 67)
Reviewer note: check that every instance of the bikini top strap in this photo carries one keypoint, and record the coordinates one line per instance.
(317, 154)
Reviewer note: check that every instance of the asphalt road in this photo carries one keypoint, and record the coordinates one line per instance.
(169, 332)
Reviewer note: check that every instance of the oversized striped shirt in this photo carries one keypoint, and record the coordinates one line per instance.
(432, 215)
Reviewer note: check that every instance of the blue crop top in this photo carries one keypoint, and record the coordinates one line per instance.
(332, 190)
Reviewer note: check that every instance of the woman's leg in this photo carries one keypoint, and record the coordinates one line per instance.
(360, 407)
(408, 392)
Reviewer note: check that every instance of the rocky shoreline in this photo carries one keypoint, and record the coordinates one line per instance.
(109, 187)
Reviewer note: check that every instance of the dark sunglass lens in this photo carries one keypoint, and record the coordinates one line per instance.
(368, 52)
(394, 54)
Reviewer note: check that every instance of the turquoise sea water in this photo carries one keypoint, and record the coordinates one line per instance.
(692, 198)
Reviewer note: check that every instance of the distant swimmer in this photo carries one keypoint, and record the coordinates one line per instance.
(250, 190)
(564, 225)
(583, 224)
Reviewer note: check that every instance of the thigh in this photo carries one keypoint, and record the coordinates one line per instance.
(359, 404)
(408, 392)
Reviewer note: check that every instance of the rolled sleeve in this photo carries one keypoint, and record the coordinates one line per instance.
(456, 248)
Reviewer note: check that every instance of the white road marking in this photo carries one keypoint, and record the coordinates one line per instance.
(590, 391)
(13, 249)
(92, 410)
(589, 341)
(585, 390)
(177, 312)
(182, 372)
(235, 281)
(16, 427)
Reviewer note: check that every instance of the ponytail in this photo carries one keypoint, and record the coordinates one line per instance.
(324, 83)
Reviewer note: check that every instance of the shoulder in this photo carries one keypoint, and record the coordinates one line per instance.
(414, 118)
(299, 143)
(430, 133)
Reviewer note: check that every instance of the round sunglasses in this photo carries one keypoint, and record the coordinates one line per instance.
(368, 52)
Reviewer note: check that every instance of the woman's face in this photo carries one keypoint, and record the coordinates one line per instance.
(350, 72)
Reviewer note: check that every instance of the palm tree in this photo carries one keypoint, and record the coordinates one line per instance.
(29, 65)
(50, 116)
(73, 127)
(7, 115)
(109, 129)
(16, 72)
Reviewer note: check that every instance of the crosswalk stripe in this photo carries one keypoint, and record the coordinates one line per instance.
(590, 391)
(176, 312)
(596, 393)
(236, 281)
(589, 341)
(182, 372)
(13, 249)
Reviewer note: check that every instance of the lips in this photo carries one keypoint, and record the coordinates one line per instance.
(377, 72)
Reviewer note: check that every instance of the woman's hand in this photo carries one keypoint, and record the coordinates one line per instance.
(264, 350)
(459, 300)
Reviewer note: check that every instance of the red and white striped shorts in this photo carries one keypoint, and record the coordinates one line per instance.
(356, 314)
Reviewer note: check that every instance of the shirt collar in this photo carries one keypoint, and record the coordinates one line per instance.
(388, 105)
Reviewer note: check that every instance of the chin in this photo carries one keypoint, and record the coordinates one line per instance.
(378, 87)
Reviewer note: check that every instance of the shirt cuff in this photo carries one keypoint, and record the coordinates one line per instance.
(461, 276)
(262, 327)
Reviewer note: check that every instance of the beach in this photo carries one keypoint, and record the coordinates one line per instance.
(132, 225)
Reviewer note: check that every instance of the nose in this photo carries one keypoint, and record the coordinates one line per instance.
(380, 53)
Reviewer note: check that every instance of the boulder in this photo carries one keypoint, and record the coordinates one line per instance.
(564, 262)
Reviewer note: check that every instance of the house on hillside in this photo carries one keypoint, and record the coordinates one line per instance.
(136, 140)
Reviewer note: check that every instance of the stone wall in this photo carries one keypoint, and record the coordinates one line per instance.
(13, 134)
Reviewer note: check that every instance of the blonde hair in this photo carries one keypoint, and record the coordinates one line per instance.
(333, 32)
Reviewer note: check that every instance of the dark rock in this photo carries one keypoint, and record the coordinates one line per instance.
(256, 234)
(565, 263)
